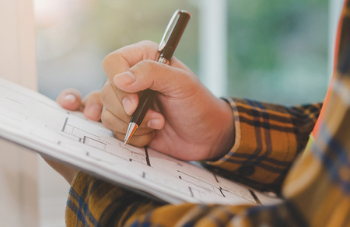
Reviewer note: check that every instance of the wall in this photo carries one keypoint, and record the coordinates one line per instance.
(18, 167)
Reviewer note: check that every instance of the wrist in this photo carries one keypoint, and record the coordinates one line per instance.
(226, 135)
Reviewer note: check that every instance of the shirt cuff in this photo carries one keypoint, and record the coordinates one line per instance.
(260, 152)
(222, 162)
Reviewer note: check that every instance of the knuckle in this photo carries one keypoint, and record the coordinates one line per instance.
(119, 136)
(192, 82)
(110, 121)
(111, 58)
(94, 96)
(96, 93)
(107, 119)
(147, 67)
(148, 43)
(141, 141)
(144, 64)
(104, 94)
(107, 61)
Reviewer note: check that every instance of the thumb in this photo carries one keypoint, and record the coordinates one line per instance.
(156, 76)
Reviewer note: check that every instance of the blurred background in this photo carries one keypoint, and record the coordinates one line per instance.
(273, 51)
(267, 50)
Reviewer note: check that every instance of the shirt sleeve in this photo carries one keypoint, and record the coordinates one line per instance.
(316, 191)
(268, 138)
(95, 202)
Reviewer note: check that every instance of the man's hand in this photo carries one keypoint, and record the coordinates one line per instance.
(91, 106)
(186, 121)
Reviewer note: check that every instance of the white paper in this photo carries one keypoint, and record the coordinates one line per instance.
(34, 121)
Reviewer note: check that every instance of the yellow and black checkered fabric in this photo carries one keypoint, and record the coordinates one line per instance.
(315, 187)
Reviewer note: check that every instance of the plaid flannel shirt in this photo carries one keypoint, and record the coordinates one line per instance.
(315, 187)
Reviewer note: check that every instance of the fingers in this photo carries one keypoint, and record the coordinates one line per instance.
(168, 80)
(120, 100)
(116, 100)
(119, 109)
(142, 136)
(112, 103)
(138, 141)
(118, 121)
(70, 99)
(138, 57)
(115, 116)
(118, 125)
(93, 106)
(121, 60)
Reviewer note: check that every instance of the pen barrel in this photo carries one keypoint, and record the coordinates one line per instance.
(144, 103)
(166, 50)
(172, 37)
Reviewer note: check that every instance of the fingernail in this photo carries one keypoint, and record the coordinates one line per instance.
(70, 98)
(93, 111)
(155, 124)
(127, 105)
(125, 78)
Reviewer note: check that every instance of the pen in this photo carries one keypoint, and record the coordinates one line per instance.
(166, 50)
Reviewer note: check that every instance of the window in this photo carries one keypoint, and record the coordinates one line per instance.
(73, 37)
(273, 47)
(277, 50)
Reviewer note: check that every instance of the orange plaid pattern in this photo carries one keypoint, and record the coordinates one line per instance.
(315, 187)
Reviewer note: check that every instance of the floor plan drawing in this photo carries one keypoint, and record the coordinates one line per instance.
(83, 136)
(39, 123)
